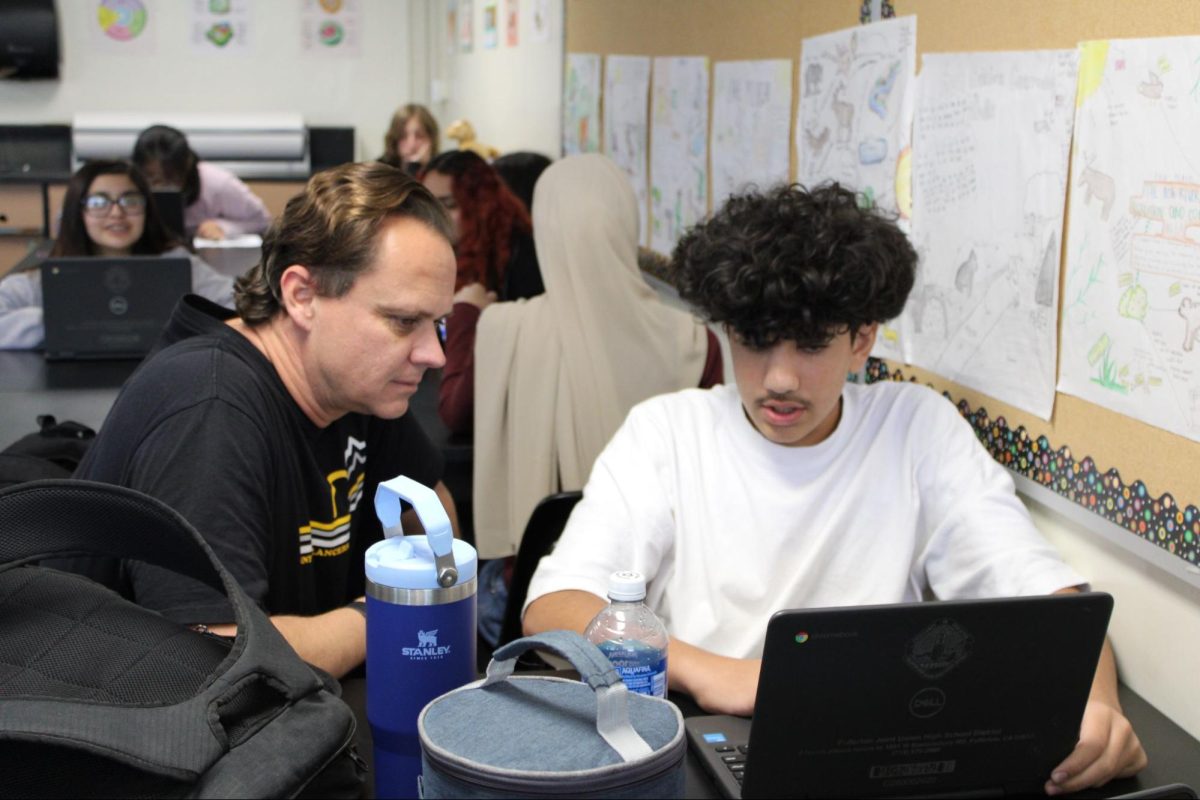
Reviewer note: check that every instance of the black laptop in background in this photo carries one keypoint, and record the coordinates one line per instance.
(976, 698)
(170, 210)
(97, 308)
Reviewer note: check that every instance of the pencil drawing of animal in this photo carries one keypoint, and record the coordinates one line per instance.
(1099, 186)
(816, 142)
(1190, 311)
(812, 79)
(843, 112)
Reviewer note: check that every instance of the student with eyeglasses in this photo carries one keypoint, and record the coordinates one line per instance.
(107, 211)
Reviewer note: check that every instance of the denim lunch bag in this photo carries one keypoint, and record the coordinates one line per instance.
(543, 736)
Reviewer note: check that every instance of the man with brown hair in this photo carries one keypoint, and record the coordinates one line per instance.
(269, 429)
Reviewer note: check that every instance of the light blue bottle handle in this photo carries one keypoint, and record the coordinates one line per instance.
(433, 518)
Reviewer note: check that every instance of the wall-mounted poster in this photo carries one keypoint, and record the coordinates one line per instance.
(581, 104)
(466, 26)
(991, 141)
(121, 27)
(491, 24)
(752, 106)
(678, 148)
(1131, 292)
(539, 20)
(331, 28)
(627, 125)
(220, 26)
(512, 22)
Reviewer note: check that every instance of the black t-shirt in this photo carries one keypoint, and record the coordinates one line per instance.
(206, 426)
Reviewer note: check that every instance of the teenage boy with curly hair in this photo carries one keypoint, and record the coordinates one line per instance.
(795, 488)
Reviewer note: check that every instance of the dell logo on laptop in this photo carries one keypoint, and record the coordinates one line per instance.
(927, 702)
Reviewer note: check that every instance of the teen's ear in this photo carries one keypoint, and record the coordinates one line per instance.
(297, 293)
(860, 348)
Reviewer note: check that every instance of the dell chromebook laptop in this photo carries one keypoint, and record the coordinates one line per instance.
(97, 308)
(974, 698)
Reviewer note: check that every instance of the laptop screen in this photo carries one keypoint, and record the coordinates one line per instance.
(923, 698)
(170, 210)
(109, 307)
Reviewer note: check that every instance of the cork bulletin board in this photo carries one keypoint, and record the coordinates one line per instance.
(1142, 478)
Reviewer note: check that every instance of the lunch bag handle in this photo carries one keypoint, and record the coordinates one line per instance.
(612, 696)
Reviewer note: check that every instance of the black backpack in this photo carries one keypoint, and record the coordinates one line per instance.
(100, 697)
(52, 451)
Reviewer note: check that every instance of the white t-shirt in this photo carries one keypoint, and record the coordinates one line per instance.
(729, 527)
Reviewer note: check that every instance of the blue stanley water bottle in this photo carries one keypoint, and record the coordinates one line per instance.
(632, 637)
(420, 628)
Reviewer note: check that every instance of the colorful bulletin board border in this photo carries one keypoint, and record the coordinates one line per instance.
(1158, 520)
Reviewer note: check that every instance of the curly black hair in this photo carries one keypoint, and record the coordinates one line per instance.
(793, 264)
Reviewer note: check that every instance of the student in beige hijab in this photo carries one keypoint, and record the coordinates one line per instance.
(554, 376)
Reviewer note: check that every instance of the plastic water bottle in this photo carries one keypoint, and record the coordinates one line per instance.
(632, 637)
(420, 628)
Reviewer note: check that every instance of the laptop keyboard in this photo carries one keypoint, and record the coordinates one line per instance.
(734, 757)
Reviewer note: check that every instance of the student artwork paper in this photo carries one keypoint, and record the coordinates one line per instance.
(539, 20)
(121, 27)
(1131, 292)
(512, 22)
(220, 26)
(491, 24)
(627, 125)
(466, 26)
(855, 111)
(581, 104)
(678, 148)
(331, 28)
(991, 142)
(752, 106)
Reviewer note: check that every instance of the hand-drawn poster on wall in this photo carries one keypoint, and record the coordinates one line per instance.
(752, 106)
(539, 21)
(581, 104)
(331, 28)
(991, 142)
(678, 148)
(627, 125)
(221, 26)
(491, 24)
(122, 27)
(466, 26)
(1131, 302)
(856, 106)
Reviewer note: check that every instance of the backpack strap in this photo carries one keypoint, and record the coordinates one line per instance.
(43, 519)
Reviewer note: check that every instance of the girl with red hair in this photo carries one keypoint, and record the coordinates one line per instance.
(492, 230)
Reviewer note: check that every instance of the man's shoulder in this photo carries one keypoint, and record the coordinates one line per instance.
(203, 366)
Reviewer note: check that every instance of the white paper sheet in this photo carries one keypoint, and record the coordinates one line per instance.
(1131, 296)
(752, 106)
(627, 126)
(991, 141)
(856, 106)
(120, 27)
(581, 104)
(678, 148)
(331, 30)
(221, 27)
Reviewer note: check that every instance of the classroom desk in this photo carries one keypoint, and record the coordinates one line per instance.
(83, 391)
(1174, 755)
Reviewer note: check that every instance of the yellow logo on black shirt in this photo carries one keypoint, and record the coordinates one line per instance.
(326, 539)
